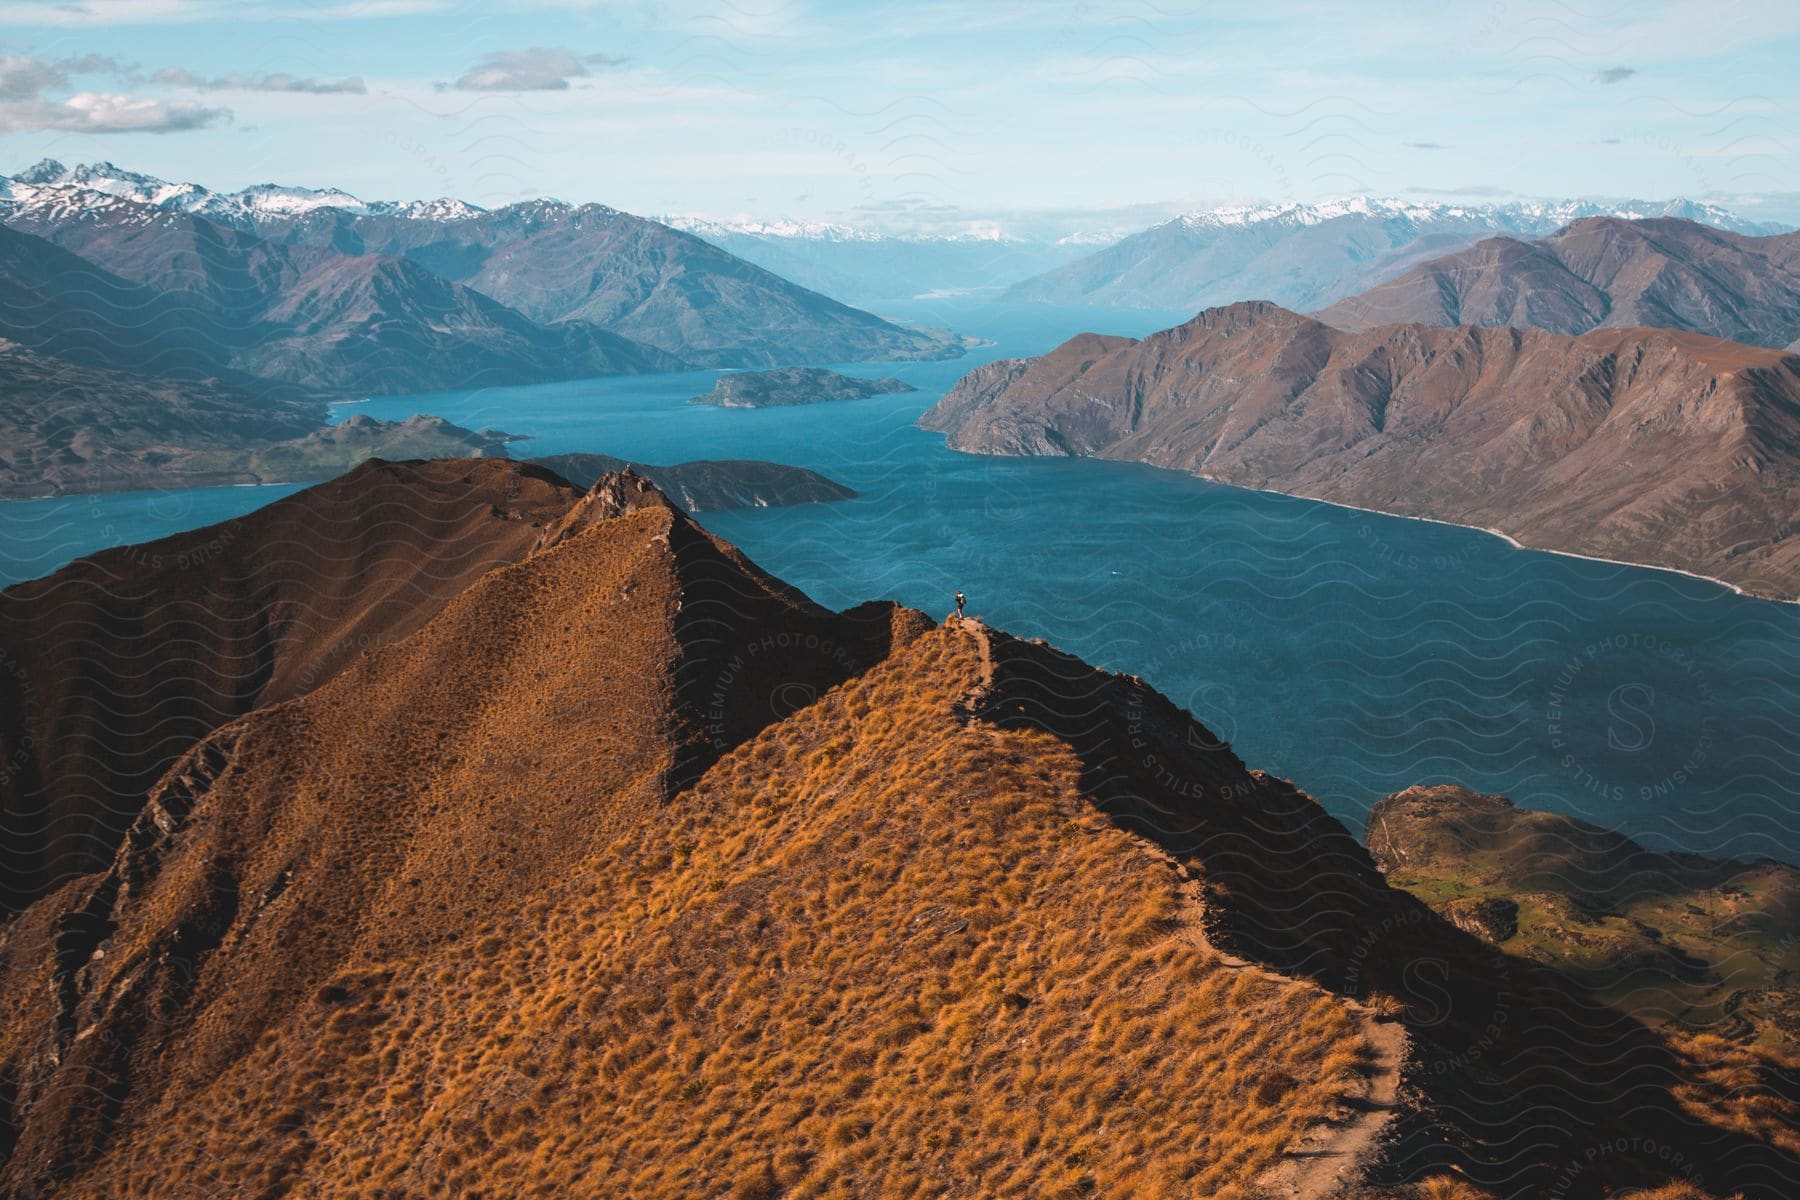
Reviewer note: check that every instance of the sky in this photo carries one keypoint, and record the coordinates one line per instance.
(921, 114)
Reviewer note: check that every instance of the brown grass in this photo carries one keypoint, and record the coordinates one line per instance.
(844, 985)
(501, 912)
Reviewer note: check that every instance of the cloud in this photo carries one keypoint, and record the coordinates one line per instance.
(1428, 145)
(24, 106)
(23, 77)
(106, 112)
(534, 69)
(277, 82)
(1612, 75)
(165, 12)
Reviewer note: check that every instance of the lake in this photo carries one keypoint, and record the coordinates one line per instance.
(1353, 653)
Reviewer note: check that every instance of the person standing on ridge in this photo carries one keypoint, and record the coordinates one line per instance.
(960, 601)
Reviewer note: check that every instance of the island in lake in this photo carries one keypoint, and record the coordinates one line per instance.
(795, 385)
(709, 485)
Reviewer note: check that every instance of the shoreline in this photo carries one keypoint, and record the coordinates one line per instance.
(1508, 538)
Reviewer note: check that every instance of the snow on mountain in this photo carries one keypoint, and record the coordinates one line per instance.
(1519, 216)
(50, 183)
(820, 231)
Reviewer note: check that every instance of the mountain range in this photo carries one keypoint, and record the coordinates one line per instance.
(328, 291)
(1305, 256)
(1649, 446)
(530, 841)
(1602, 272)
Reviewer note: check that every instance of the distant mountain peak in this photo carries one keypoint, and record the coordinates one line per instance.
(1514, 214)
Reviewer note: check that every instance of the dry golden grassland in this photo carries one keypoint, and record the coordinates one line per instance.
(874, 952)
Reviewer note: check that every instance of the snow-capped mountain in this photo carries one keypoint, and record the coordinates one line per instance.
(1305, 256)
(866, 265)
(1520, 216)
(51, 183)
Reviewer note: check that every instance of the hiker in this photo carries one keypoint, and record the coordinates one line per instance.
(960, 601)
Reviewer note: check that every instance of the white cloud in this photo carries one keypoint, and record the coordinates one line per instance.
(106, 112)
(163, 12)
(533, 69)
(24, 106)
(277, 82)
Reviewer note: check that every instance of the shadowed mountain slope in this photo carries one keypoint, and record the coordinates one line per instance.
(60, 305)
(1705, 942)
(117, 663)
(633, 872)
(1601, 272)
(1650, 446)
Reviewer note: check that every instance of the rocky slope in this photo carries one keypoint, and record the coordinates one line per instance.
(795, 385)
(709, 485)
(631, 871)
(1602, 273)
(1669, 937)
(1304, 256)
(1649, 446)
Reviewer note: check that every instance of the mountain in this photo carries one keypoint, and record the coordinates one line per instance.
(120, 661)
(1649, 446)
(69, 428)
(362, 324)
(629, 870)
(796, 385)
(1670, 937)
(241, 208)
(708, 485)
(559, 263)
(1602, 272)
(60, 305)
(1305, 256)
(569, 267)
(868, 267)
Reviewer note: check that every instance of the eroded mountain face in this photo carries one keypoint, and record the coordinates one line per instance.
(1649, 446)
(625, 869)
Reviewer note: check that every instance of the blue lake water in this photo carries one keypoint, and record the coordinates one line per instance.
(1353, 653)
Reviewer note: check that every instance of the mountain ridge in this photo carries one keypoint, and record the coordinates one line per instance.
(576, 844)
(1305, 256)
(1602, 273)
